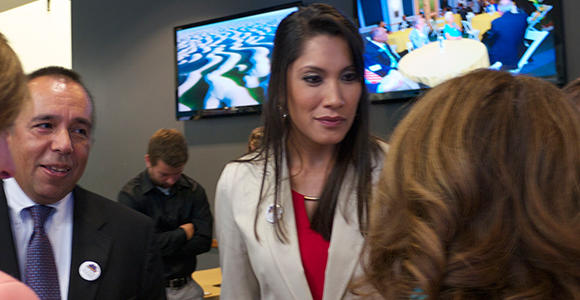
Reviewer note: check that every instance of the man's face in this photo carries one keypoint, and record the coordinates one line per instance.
(504, 6)
(420, 23)
(162, 174)
(50, 139)
(381, 35)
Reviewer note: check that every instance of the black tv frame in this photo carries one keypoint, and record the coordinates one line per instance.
(225, 111)
(560, 79)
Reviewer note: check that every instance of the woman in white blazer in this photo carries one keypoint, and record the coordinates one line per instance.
(290, 216)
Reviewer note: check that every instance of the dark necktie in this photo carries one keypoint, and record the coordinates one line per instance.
(41, 274)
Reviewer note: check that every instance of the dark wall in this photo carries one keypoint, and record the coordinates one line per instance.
(124, 50)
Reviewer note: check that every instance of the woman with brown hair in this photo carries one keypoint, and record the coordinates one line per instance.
(572, 89)
(480, 195)
(290, 215)
(13, 91)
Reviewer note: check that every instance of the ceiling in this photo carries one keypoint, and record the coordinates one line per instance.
(10, 4)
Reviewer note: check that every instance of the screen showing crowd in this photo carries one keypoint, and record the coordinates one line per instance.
(409, 47)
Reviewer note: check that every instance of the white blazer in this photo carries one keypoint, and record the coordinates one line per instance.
(268, 268)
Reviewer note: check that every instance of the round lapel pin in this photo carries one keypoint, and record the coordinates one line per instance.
(270, 213)
(90, 270)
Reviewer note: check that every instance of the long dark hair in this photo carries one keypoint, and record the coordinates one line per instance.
(356, 149)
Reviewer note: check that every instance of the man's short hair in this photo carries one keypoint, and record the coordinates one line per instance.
(168, 145)
(13, 89)
(67, 73)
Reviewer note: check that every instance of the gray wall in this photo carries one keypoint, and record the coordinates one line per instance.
(124, 50)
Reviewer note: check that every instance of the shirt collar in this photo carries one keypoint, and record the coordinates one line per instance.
(18, 200)
(147, 185)
(379, 44)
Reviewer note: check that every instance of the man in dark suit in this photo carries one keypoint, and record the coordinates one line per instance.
(505, 39)
(378, 56)
(178, 206)
(91, 247)
(382, 61)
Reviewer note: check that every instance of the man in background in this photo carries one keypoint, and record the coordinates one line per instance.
(60, 239)
(178, 205)
(382, 61)
(505, 39)
(419, 36)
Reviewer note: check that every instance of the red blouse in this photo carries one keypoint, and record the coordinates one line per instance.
(313, 248)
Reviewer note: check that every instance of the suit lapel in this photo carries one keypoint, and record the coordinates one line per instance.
(345, 245)
(286, 255)
(89, 242)
(8, 259)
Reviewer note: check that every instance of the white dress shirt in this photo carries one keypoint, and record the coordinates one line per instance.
(58, 227)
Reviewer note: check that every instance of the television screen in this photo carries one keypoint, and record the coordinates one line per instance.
(223, 65)
(414, 45)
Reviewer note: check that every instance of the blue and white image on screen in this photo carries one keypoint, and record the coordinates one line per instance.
(226, 64)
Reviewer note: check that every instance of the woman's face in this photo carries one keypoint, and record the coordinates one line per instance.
(6, 163)
(323, 92)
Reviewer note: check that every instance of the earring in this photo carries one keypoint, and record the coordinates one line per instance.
(283, 111)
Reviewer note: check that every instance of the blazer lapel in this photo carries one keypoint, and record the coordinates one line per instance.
(286, 255)
(8, 259)
(345, 245)
(89, 244)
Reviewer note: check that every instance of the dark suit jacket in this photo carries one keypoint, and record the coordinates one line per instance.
(505, 39)
(119, 239)
(377, 60)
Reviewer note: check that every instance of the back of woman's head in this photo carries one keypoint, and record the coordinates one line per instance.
(13, 89)
(480, 196)
(572, 89)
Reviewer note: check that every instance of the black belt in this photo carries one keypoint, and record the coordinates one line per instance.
(176, 282)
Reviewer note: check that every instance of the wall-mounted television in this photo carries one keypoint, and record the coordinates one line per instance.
(526, 39)
(223, 65)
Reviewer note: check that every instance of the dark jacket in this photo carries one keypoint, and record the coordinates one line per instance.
(119, 239)
(186, 203)
(505, 39)
(379, 60)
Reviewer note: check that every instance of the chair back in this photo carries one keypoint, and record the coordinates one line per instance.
(536, 37)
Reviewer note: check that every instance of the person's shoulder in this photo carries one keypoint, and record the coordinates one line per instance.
(94, 202)
(379, 149)
(134, 184)
(243, 170)
(381, 146)
(190, 183)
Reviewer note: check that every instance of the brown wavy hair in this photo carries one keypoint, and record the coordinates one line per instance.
(13, 89)
(480, 195)
(572, 89)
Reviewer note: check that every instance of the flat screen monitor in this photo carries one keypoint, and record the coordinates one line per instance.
(223, 65)
(420, 47)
